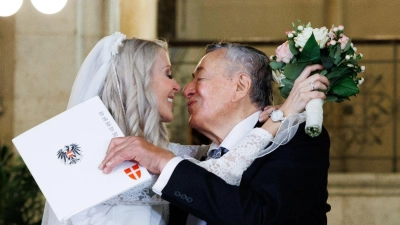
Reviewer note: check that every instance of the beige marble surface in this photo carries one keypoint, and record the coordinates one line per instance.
(367, 199)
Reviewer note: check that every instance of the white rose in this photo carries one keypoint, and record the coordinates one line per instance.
(320, 34)
(303, 37)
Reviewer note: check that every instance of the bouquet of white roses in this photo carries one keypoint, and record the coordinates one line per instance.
(331, 48)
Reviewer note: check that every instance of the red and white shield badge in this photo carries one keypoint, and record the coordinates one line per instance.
(133, 172)
(70, 154)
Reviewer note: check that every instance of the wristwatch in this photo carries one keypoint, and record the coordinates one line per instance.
(277, 116)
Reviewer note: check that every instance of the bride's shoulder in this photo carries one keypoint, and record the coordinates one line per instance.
(173, 146)
(189, 150)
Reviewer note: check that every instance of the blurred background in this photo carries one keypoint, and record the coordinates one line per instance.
(40, 55)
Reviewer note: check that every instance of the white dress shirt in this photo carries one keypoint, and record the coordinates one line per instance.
(231, 140)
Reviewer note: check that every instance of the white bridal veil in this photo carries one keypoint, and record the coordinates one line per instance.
(91, 75)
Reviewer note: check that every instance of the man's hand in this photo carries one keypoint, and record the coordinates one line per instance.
(136, 149)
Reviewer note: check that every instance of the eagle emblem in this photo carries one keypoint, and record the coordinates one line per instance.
(70, 154)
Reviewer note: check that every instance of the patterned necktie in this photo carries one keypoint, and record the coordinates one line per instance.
(217, 153)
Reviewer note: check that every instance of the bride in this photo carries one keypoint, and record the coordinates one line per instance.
(133, 77)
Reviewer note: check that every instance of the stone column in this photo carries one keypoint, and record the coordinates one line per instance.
(138, 18)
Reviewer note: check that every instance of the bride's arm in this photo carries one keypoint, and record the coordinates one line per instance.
(194, 151)
(231, 165)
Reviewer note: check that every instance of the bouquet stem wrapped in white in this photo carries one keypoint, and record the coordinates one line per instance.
(331, 48)
(314, 117)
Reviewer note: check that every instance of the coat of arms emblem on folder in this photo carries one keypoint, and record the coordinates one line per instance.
(70, 154)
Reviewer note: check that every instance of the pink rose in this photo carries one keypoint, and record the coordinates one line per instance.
(283, 53)
(331, 35)
(343, 41)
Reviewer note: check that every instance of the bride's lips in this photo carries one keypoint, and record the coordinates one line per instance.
(170, 98)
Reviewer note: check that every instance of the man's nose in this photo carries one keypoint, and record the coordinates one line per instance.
(189, 89)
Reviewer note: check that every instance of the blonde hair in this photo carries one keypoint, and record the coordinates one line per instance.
(137, 111)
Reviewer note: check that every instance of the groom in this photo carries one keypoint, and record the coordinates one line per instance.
(230, 85)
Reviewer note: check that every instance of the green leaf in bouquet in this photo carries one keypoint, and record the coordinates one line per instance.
(347, 47)
(292, 47)
(285, 91)
(311, 51)
(352, 61)
(345, 87)
(349, 51)
(293, 70)
(333, 49)
(338, 71)
(338, 53)
(323, 72)
(328, 62)
(352, 75)
(288, 83)
(331, 98)
(276, 65)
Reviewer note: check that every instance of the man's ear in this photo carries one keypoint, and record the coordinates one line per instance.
(243, 87)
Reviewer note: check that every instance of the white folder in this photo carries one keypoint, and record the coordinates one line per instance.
(63, 155)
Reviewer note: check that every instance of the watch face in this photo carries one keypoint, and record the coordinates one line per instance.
(277, 115)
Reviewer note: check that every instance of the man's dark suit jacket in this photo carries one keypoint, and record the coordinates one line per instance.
(288, 186)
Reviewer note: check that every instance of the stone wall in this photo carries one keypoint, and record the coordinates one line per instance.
(367, 199)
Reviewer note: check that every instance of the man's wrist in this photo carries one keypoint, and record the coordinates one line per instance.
(166, 174)
(164, 161)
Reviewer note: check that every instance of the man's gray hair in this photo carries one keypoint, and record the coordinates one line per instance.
(254, 63)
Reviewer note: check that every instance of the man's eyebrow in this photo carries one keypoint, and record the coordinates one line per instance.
(198, 69)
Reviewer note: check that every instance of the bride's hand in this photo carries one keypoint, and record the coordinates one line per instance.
(264, 115)
(305, 88)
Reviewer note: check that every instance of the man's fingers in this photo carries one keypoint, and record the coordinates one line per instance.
(115, 146)
(106, 159)
(115, 142)
(112, 162)
(308, 70)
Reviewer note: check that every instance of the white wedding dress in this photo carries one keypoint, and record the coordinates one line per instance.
(141, 206)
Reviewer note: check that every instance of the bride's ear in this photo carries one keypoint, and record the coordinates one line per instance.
(242, 88)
